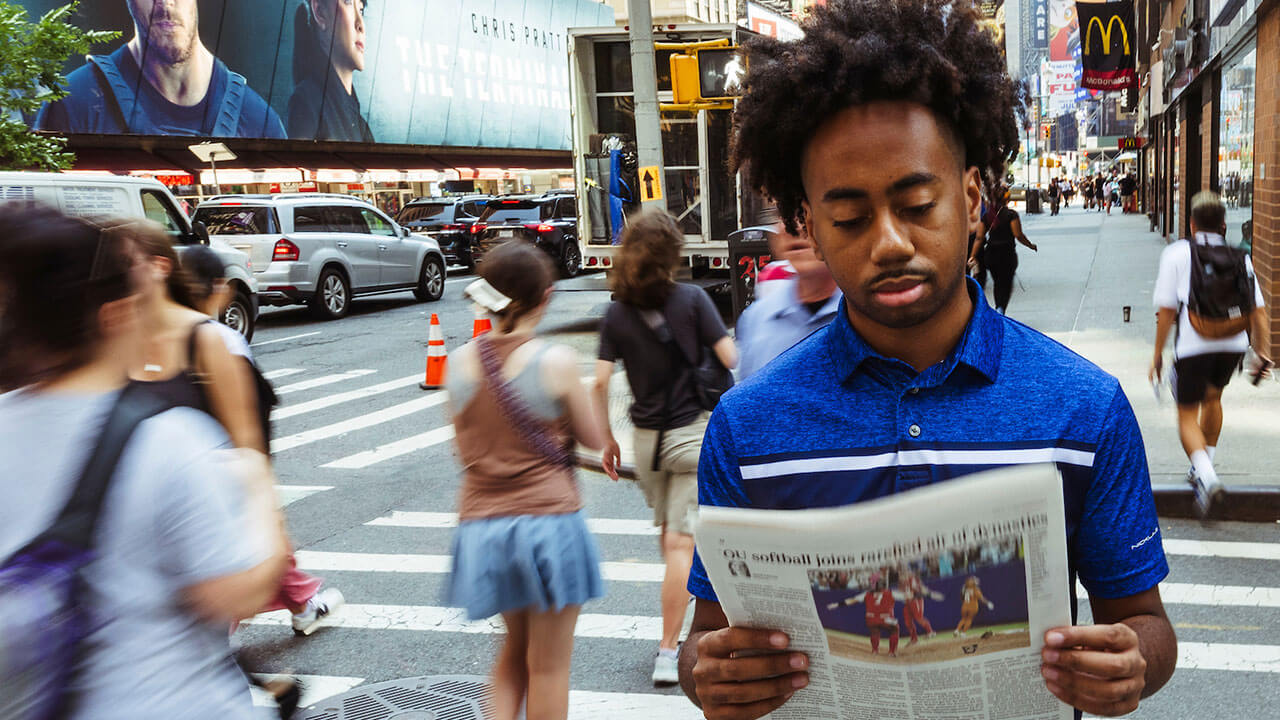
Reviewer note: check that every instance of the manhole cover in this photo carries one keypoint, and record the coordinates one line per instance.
(434, 697)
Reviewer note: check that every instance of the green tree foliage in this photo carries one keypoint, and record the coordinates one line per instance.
(32, 56)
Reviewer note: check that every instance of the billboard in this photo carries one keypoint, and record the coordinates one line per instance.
(466, 73)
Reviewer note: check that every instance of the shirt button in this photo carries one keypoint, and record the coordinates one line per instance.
(914, 431)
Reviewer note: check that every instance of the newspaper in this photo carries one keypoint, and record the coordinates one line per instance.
(931, 603)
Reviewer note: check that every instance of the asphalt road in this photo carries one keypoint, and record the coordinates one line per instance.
(367, 469)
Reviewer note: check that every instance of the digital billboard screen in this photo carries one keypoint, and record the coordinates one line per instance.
(464, 73)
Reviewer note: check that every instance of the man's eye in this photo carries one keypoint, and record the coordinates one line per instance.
(918, 210)
(852, 223)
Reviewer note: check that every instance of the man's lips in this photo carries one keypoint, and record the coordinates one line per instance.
(899, 291)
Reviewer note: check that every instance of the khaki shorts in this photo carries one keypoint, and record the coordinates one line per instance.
(672, 490)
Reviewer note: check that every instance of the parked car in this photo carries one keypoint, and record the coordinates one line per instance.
(548, 221)
(322, 249)
(448, 221)
(134, 197)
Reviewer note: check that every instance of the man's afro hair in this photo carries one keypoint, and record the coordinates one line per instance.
(934, 52)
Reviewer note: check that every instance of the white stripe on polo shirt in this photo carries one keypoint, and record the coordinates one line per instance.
(906, 458)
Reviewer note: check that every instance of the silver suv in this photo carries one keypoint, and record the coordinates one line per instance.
(323, 249)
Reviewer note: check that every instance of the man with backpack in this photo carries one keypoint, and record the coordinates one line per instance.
(1208, 288)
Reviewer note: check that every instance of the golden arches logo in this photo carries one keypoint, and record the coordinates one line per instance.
(1106, 34)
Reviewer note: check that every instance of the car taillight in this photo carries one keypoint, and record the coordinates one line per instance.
(284, 250)
(478, 228)
(451, 227)
(540, 227)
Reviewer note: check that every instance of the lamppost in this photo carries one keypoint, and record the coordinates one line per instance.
(212, 152)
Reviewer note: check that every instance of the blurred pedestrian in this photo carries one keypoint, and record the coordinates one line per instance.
(1001, 251)
(1202, 366)
(191, 360)
(660, 330)
(189, 538)
(522, 548)
(1099, 192)
(887, 178)
(1068, 192)
(1055, 196)
(797, 307)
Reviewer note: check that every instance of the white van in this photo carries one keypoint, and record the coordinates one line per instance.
(132, 197)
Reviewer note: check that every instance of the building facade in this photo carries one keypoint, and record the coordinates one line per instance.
(1208, 109)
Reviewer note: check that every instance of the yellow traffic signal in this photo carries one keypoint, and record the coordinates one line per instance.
(684, 78)
(704, 74)
(1048, 131)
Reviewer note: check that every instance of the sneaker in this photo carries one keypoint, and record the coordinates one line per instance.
(1206, 494)
(320, 608)
(665, 671)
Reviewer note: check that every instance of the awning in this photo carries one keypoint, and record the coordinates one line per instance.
(122, 153)
(1128, 156)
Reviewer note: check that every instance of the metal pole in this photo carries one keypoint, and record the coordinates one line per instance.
(644, 83)
(214, 165)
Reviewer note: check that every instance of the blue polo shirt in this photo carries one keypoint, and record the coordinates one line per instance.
(831, 422)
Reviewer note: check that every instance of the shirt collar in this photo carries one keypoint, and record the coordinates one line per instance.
(979, 348)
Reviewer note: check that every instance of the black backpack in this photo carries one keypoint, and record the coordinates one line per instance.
(1222, 294)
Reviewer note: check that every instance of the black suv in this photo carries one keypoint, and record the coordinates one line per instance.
(448, 220)
(549, 221)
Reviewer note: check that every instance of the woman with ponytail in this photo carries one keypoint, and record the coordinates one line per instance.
(522, 547)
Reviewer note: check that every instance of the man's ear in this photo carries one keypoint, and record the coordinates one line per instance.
(318, 11)
(973, 197)
(808, 224)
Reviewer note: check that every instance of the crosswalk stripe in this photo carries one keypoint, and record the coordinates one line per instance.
(284, 339)
(314, 687)
(393, 449)
(630, 706)
(359, 422)
(1228, 656)
(322, 381)
(1217, 548)
(425, 618)
(281, 373)
(321, 403)
(289, 494)
(320, 561)
(599, 526)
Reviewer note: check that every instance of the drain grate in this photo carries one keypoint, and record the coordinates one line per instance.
(433, 697)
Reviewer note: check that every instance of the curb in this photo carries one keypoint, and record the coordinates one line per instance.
(1242, 503)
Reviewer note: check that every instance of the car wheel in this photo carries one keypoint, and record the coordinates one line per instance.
(430, 280)
(333, 295)
(570, 259)
(239, 315)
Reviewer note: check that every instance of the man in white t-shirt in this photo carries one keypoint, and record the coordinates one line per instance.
(1202, 367)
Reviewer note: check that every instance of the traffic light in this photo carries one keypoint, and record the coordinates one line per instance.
(705, 73)
(1046, 131)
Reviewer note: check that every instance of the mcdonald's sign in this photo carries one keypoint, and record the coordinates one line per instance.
(1106, 35)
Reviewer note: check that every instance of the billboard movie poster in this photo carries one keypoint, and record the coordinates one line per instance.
(1107, 55)
(1035, 35)
(464, 73)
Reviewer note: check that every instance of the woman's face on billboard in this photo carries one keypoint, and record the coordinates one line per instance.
(346, 18)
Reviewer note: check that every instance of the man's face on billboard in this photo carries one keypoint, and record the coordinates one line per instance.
(169, 28)
(345, 20)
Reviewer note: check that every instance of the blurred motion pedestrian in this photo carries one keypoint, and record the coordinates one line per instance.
(1001, 252)
(522, 548)
(793, 309)
(188, 538)
(192, 360)
(660, 330)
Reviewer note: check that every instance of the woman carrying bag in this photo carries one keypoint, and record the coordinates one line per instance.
(672, 344)
(522, 548)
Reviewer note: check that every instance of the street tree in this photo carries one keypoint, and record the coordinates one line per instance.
(32, 55)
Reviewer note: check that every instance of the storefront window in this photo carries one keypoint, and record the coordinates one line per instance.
(1235, 145)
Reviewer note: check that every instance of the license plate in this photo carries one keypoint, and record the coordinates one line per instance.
(507, 233)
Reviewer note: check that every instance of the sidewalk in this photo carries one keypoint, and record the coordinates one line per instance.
(1090, 265)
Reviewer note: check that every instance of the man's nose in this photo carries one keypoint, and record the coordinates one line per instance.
(891, 244)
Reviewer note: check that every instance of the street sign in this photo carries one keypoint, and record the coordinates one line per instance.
(650, 184)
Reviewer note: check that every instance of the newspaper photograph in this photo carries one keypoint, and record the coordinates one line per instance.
(926, 604)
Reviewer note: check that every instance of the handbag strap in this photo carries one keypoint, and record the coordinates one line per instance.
(516, 412)
(78, 519)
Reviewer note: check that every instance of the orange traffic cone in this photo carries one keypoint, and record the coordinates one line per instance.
(482, 323)
(437, 357)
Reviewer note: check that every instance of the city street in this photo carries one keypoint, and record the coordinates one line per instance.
(368, 474)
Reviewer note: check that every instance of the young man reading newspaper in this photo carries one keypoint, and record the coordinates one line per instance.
(877, 131)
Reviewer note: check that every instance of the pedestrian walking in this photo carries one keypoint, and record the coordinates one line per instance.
(188, 361)
(1205, 357)
(887, 178)
(1001, 252)
(1128, 188)
(662, 331)
(188, 539)
(1068, 192)
(1055, 196)
(1100, 193)
(801, 304)
(522, 549)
